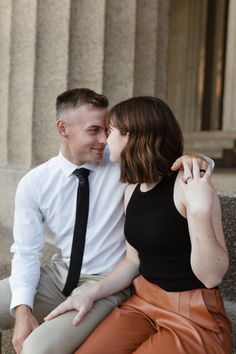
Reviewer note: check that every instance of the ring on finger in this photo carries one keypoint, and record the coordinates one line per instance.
(187, 178)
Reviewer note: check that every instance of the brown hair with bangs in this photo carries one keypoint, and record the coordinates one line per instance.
(154, 142)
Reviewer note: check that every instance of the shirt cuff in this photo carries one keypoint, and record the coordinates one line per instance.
(22, 296)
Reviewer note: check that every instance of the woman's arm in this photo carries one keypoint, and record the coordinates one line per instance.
(121, 277)
(209, 257)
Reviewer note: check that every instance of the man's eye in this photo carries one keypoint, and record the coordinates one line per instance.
(93, 131)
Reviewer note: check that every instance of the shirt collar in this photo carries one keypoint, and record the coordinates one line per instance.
(68, 167)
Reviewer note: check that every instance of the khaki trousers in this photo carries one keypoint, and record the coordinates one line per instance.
(154, 321)
(58, 336)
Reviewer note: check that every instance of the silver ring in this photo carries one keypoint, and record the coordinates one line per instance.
(189, 177)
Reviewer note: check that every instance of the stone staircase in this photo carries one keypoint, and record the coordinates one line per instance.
(228, 287)
(219, 145)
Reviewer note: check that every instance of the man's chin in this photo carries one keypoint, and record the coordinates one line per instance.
(96, 158)
(97, 155)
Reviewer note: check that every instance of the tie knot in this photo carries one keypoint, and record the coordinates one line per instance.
(81, 173)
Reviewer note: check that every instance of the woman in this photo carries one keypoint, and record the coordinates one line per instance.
(175, 242)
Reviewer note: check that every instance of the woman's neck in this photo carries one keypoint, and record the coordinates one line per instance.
(145, 187)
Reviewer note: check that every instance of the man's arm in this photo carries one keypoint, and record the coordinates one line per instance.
(28, 243)
(25, 323)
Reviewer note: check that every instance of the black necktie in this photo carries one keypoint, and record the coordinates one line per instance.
(78, 243)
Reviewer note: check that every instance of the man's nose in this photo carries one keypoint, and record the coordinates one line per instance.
(102, 138)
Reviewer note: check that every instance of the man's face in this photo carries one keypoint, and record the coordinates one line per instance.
(85, 134)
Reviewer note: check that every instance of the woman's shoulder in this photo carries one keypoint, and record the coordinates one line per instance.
(128, 193)
(178, 196)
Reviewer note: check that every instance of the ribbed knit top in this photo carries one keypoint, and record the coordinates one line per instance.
(159, 233)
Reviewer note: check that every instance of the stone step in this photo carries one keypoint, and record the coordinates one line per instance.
(218, 135)
(221, 146)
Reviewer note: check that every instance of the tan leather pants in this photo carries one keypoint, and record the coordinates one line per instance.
(154, 321)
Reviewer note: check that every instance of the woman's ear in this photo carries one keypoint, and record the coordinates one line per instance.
(62, 128)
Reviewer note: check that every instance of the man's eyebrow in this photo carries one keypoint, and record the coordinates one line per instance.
(94, 126)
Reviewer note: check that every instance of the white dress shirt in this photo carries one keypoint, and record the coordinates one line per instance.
(47, 196)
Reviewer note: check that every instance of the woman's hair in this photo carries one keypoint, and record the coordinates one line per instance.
(154, 142)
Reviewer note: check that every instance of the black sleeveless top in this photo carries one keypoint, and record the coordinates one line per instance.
(159, 233)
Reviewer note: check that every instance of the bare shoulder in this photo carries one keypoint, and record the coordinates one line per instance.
(128, 193)
(179, 199)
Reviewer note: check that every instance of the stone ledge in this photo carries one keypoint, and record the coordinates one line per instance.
(228, 204)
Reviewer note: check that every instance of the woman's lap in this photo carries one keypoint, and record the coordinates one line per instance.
(155, 321)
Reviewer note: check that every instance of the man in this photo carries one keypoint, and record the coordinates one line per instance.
(47, 195)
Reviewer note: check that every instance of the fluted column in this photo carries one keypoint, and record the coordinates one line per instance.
(146, 48)
(5, 43)
(229, 105)
(162, 47)
(186, 61)
(21, 88)
(86, 50)
(51, 73)
(119, 49)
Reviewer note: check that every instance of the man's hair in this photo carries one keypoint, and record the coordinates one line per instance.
(154, 142)
(79, 96)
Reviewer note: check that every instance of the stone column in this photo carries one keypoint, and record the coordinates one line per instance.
(162, 48)
(51, 73)
(195, 65)
(17, 63)
(119, 49)
(146, 48)
(229, 104)
(5, 41)
(21, 88)
(151, 47)
(86, 50)
(186, 61)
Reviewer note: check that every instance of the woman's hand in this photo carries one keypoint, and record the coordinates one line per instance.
(180, 162)
(197, 189)
(81, 303)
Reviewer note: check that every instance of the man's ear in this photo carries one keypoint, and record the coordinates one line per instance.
(62, 128)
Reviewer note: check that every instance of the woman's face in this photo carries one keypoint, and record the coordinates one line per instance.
(116, 143)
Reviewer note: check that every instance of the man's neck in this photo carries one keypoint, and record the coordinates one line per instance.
(71, 157)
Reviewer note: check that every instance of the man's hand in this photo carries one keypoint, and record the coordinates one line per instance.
(179, 163)
(81, 303)
(25, 323)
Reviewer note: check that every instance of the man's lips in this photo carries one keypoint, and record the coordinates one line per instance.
(99, 150)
